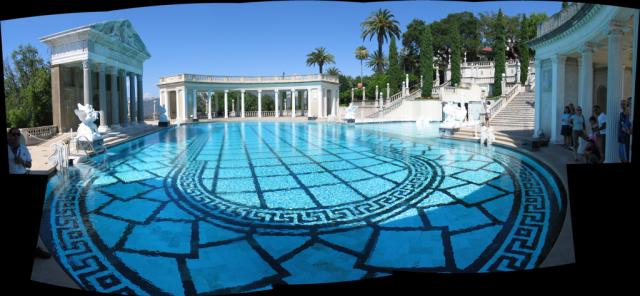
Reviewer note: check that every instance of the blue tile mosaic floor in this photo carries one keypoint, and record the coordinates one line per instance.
(235, 207)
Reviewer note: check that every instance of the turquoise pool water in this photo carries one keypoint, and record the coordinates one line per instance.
(236, 207)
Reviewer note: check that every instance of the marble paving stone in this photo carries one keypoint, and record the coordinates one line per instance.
(205, 270)
(456, 217)
(279, 245)
(420, 249)
(161, 236)
(500, 207)
(209, 233)
(321, 264)
(133, 176)
(472, 193)
(136, 210)
(468, 246)
(109, 230)
(354, 240)
(409, 218)
(162, 272)
(477, 177)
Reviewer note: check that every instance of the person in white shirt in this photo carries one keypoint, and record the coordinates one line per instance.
(19, 163)
(18, 154)
(602, 127)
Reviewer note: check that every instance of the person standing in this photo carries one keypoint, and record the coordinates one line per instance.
(566, 127)
(624, 131)
(19, 163)
(578, 125)
(18, 154)
(602, 129)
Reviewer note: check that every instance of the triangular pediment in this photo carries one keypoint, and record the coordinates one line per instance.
(122, 31)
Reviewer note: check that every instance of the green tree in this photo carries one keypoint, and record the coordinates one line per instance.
(411, 39)
(320, 57)
(333, 71)
(27, 89)
(361, 54)
(455, 55)
(377, 62)
(426, 61)
(499, 51)
(524, 50)
(381, 25)
(394, 74)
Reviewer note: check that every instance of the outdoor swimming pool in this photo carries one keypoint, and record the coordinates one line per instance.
(239, 206)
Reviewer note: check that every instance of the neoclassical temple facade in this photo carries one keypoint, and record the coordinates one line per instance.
(585, 55)
(296, 95)
(92, 65)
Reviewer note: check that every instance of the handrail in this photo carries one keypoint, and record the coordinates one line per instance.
(503, 101)
(395, 104)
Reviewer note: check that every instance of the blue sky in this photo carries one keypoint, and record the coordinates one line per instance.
(263, 38)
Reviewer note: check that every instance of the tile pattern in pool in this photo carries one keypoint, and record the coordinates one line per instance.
(234, 207)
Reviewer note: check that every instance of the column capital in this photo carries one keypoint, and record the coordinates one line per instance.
(112, 69)
(558, 58)
(226, 91)
(86, 64)
(587, 48)
(101, 67)
(139, 75)
(259, 91)
(616, 28)
(242, 90)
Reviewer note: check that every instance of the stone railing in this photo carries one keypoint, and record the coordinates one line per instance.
(559, 18)
(395, 104)
(36, 135)
(250, 113)
(268, 113)
(504, 100)
(248, 79)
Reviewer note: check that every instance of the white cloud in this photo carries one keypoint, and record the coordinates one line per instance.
(148, 96)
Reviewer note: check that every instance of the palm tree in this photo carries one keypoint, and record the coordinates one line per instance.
(361, 54)
(320, 57)
(377, 62)
(381, 25)
(333, 71)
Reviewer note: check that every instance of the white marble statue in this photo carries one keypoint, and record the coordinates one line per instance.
(87, 130)
(162, 111)
(487, 135)
(450, 112)
(350, 113)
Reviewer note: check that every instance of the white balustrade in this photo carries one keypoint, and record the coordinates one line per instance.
(244, 79)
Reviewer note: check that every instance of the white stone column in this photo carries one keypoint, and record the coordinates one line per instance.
(226, 104)
(185, 99)
(293, 103)
(140, 97)
(363, 94)
(352, 95)
(195, 104)
(179, 106)
(275, 98)
(388, 91)
(242, 103)
(437, 77)
(86, 82)
(102, 93)
(320, 95)
(167, 103)
(537, 130)
(557, 96)
(407, 83)
(324, 106)
(376, 102)
(122, 97)
(208, 104)
(585, 88)
(614, 90)
(115, 119)
(132, 98)
(215, 101)
(259, 103)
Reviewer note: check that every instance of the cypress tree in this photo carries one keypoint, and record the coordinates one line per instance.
(524, 51)
(455, 55)
(394, 73)
(499, 48)
(426, 61)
